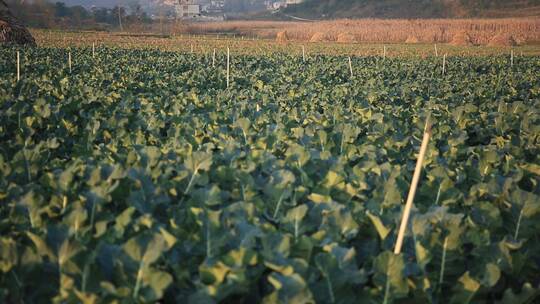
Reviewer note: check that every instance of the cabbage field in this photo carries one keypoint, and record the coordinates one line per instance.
(137, 176)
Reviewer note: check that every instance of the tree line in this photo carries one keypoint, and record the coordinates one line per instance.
(45, 14)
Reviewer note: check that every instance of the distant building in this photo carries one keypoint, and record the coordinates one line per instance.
(187, 9)
(200, 10)
(278, 4)
(214, 7)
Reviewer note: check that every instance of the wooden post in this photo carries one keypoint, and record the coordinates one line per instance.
(214, 59)
(93, 50)
(69, 61)
(303, 53)
(228, 66)
(512, 58)
(192, 48)
(412, 190)
(436, 51)
(350, 67)
(18, 66)
(384, 52)
(444, 64)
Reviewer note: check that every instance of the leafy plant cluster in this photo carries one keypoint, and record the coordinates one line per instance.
(139, 177)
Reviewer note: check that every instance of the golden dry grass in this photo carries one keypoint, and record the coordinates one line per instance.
(461, 39)
(205, 44)
(412, 39)
(345, 38)
(502, 39)
(480, 31)
(282, 36)
(318, 37)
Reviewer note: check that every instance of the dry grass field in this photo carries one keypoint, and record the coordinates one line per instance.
(524, 30)
(257, 45)
(480, 31)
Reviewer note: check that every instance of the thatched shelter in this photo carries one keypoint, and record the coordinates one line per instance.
(282, 36)
(520, 39)
(11, 30)
(319, 37)
(502, 39)
(345, 38)
(412, 39)
(461, 39)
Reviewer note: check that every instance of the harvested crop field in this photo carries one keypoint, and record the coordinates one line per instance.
(378, 31)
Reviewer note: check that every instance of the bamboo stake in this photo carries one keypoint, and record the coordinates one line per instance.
(444, 64)
(384, 52)
(214, 59)
(228, 66)
(303, 54)
(512, 58)
(69, 61)
(350, 67)
(93, 50)
(436, 51)
(414, 184)
(18, 66)
(192, 48)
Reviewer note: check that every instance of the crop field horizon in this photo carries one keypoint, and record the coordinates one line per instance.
(524, 30)
(480, 31)
(253, 45)
(136, 168)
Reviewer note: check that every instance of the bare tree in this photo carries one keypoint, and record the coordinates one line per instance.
(120, 18)
(160, 5)
(11, 30)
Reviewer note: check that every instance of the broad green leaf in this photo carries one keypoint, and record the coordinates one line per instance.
(198, 161)
(288, 289)
(41, 246)
(389, 269)
(379, 226)
(158, 281)
(8, 254)
(492, 275)
(527, 294)
(465, 290)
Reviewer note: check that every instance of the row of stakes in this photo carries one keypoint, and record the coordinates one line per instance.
(94, 55)
(228, 60)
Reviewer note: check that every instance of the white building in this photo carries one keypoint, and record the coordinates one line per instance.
(213, 7)
(278, 4)
(187, 9)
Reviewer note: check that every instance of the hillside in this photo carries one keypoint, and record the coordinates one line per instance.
(329, 9)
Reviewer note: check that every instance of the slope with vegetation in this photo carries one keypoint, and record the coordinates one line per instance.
(324, 9)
